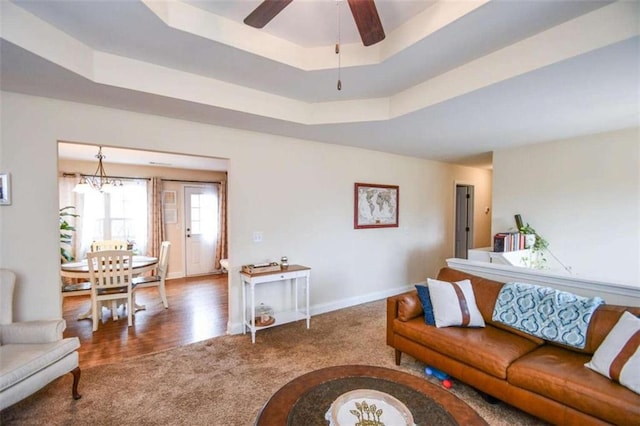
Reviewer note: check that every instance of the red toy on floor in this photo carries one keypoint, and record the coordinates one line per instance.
(440, 375)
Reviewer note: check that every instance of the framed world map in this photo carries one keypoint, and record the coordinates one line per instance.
(375, 206)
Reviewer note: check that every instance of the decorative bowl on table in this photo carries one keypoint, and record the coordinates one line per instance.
(368, 407)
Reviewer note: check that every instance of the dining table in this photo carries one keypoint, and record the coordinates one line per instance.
(80, 270)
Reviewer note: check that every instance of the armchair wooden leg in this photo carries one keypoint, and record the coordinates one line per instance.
(398, 357)
(76, 380)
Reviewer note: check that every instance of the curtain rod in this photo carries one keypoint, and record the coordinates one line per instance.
(191, 181)
(67, 174)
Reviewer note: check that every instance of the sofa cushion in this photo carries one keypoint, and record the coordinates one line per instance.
(409, 306)
(454, 304)
(559, 374)
(546, 312)
(618, 357)
(485, 291)
(488, 349)
(603, 320)
(427, 306)
(20, 361)
(43, 331)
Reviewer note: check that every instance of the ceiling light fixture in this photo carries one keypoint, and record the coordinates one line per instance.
(99, 181)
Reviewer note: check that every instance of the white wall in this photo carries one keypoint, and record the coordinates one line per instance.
(298, 193)
(582, 195)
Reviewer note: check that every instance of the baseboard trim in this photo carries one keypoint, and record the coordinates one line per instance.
(236, 327)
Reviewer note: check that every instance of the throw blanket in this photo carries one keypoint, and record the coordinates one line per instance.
(550, 314)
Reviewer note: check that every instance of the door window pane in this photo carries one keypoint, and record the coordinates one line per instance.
(196, 227)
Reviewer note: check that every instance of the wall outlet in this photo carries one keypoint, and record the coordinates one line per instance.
(257, 237)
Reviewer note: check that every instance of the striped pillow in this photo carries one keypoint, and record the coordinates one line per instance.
(618, 356)
(454, 304)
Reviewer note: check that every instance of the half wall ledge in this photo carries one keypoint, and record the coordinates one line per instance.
(612, 293)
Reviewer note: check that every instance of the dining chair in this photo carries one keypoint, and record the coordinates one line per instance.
(109, 245)
(75, 289)
(157, 280)
(111, 273)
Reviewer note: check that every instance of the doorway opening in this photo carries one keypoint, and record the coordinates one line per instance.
(463, 220)
(173, 170)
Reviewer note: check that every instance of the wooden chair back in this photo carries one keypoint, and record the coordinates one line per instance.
(157, 280)
(111, 275)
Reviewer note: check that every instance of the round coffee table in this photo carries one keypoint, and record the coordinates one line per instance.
(306, 399)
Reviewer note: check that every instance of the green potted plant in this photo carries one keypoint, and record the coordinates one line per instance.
(66, 235)
(537, 244)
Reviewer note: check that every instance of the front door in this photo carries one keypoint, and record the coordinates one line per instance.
(201, 226)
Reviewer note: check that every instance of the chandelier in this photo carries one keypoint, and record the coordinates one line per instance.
(99, 181)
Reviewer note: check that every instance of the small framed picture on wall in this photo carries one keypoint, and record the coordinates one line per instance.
(375, 206)
(170, 216)
(169, 198)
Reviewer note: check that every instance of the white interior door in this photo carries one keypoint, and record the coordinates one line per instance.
(464, 221)
(201, 228)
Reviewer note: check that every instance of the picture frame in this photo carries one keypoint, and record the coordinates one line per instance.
(5, 189)
(169, 198)
(375, 206)
(170, 216)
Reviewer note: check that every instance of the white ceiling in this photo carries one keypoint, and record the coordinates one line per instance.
(453, 81)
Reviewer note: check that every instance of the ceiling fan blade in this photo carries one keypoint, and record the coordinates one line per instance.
(265, 12)
(367, 20)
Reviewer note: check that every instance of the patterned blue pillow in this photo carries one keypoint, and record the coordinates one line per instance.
(425, 299)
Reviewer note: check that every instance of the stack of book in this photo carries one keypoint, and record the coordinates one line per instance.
(508, 241)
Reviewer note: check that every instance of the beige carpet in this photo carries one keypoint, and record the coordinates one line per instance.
(226, 380)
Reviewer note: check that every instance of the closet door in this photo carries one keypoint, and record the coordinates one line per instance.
(464, 221)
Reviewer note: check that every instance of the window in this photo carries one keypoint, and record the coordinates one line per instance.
(118, 215)
(203, 215)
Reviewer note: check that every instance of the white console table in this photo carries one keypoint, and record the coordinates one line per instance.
(292, 273)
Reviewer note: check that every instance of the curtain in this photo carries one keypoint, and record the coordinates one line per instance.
(156, 217)
(67, 197)
(221, 245)
(129, 213)
(91, 209)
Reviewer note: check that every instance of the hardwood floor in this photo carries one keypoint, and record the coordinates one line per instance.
(198, 310)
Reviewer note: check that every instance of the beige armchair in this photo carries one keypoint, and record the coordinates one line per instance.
(32, 353)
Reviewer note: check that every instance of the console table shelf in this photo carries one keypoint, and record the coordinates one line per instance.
(249, 281)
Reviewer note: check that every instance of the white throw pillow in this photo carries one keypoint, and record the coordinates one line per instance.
(618, 356)
(454, 304)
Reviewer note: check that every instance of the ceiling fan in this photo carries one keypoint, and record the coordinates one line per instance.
(364, 13)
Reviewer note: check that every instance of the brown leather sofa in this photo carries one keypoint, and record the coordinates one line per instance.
(545, 379)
